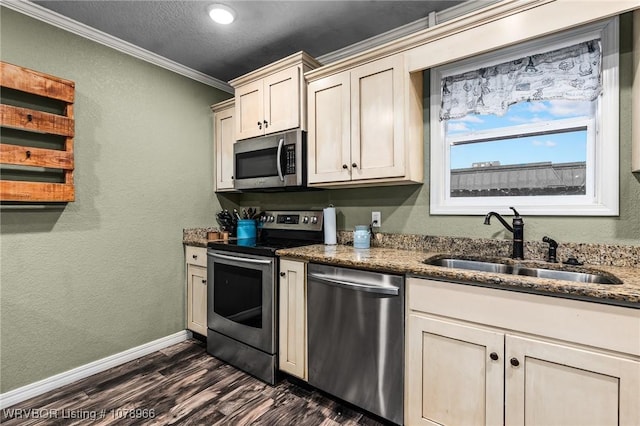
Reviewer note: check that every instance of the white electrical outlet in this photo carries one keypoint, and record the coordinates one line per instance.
(376, 219)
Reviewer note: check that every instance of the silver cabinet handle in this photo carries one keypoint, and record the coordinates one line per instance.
(279, 162)
(240, 259)
(354, 285)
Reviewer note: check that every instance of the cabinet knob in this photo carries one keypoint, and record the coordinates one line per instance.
(204, 281)
(266, 124)
(354, 165)
(344, 166)
(493, 356)
(195, 256)
(282, 274)
(259, 125)
(514, 362)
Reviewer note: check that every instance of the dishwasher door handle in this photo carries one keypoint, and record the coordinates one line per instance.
(354, 285)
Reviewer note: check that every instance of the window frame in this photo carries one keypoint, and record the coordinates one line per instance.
(602, 192)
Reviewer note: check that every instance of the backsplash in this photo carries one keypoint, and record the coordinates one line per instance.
(589, 253)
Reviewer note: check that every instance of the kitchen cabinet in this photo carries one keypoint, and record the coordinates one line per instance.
(365, 125)
(224, 138)
(293, 318)
(273, 98)
(470, 349)
(196, 267)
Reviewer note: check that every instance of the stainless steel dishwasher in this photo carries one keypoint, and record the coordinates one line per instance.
(356, 337)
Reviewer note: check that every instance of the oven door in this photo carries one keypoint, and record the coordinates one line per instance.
(240, 298)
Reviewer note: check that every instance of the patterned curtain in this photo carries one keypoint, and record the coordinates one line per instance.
(572, 73)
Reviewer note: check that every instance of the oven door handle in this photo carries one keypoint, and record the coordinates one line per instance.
(240, 259)
(354, 285)
(279, 162)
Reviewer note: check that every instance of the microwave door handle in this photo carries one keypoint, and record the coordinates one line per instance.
(279, 161)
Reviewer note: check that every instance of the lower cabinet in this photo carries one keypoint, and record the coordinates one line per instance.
(292, 346)
(450, 377)
(196, 258)
(474, 369)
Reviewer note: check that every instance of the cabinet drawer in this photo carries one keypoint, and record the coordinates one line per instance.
(196, 256)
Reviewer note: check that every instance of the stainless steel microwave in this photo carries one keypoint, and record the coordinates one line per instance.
(273, 162)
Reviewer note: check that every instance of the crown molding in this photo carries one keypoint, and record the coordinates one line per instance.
(299, 58)
(57, 20)
(410, 28)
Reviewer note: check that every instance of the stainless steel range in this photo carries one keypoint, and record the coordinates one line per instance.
(242, 292)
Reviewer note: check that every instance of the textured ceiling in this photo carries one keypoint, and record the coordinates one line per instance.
(264, 31)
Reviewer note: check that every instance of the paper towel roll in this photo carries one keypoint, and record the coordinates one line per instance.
(329, 218)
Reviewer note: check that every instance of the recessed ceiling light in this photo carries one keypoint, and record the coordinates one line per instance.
(222, 14)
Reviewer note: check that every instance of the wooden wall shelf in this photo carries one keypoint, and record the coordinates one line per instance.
(33, 122)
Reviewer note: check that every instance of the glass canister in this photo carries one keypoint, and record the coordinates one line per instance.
(246, 229)
(361, 237)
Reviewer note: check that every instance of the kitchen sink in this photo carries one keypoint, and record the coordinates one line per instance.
(583, 277)
(575, 275)
(474, 265)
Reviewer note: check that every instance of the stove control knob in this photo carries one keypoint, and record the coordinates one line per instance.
(305, 219)
(271, 218)
(314, 219)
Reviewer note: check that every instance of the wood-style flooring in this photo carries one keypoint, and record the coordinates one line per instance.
(182, 384)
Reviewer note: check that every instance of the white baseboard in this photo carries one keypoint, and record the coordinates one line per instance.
(23, 393)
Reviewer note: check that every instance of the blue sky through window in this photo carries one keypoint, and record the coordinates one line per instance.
(556, 147)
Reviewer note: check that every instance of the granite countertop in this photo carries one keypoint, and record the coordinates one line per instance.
(196, 237)
(410, 262)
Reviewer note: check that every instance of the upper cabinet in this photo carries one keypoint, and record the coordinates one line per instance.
(273, 98)
(365, 125)
(224, 138)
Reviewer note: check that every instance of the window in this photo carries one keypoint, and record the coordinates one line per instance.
(533, 126)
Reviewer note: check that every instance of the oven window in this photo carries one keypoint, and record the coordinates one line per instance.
(237, 294)
(254, 164)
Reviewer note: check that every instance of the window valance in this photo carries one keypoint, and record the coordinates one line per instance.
(572, 73)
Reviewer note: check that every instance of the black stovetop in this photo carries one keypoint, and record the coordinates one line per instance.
(251, 246)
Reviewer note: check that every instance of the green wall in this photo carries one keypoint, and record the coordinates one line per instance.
(105, 273)
(405, 209)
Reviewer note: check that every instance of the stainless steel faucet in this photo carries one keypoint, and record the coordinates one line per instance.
(517, 230)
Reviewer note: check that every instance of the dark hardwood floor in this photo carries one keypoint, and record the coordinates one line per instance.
(182, 384)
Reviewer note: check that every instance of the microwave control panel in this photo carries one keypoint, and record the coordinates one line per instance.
(290, 155)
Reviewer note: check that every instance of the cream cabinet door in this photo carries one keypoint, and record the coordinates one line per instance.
(282, 100)
(454, 374)
(293, 318)
(377, 119)
(224, 131)
(197, 299)
(548, 383)
(329, 137)
(249, 110)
